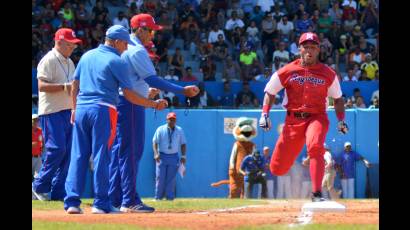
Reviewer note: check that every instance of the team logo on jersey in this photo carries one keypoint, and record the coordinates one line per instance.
(301, 80)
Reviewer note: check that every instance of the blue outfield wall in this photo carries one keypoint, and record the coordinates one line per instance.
(208, 148)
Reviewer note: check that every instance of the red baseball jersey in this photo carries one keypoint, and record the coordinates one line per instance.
(306, 88)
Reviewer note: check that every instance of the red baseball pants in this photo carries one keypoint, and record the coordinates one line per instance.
(297, 131)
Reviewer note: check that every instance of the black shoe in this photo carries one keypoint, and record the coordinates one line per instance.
(317, 197)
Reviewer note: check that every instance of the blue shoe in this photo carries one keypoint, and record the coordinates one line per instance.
(139, 208)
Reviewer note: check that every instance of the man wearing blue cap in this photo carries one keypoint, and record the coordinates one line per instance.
(97, 78)
(128, 146)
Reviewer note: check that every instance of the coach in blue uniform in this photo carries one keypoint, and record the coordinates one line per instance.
(98, 76)
(54, 74)
(253, 168)
(129, 143)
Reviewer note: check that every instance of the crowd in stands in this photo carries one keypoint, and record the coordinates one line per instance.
(229, 41)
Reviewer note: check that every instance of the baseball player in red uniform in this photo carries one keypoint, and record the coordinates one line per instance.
(307, 84)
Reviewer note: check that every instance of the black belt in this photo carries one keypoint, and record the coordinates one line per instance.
(36, 156)
(299, 114)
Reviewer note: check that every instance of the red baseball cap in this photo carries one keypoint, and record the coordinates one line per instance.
(141, 20)
(171, 115)
(309, 36)
(66, 34)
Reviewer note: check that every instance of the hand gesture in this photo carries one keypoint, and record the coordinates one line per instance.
(264, 122)
(191, 90)
(153, 92)
(161, 104)
(342, 127)
(156, 157)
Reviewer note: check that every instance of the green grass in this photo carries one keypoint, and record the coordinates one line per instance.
(176, 205)
(47, 225)
(314, 227)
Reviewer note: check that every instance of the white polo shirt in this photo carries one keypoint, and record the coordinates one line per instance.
(54, 68)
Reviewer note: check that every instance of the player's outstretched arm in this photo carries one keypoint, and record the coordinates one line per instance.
(159, 83)
(264, 121)
(135, 98)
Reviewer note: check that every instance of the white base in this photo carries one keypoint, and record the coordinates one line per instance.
(324, 206)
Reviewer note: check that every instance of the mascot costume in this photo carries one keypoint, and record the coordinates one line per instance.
(244, 132)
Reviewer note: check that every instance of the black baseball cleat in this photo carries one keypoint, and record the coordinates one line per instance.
(317, 197)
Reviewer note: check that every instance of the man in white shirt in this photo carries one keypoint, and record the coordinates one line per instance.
(213, 34)
(285, 28)
(54, 74)
(234, 22)
(282, 54)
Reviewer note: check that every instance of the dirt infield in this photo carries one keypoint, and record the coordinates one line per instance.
(277, 212)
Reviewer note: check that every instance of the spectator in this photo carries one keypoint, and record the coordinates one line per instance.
(365, 46)
(350, 75)
(48, 13)
(330, 174)
(220, 49)
(246, 59)
(255, 69)
(253, 169)
(294, 49)
(203, 99)
(277, 14)
(121, 20)
(349, 104)
(276, 64)
(286, 28)
(248, 94)
(214, 33)
(324, 22)
(231, 70)
(342, 49)
(265, 76)
(334, 33)
(162, 51)
(167, 27)
(336, 13)
(82, 16)
(221, 19)
(238, 40)
(356, 70)
(188, 77)
(97, 35)
(346, 11)
(168, 140)
(253, 34)
(268, 28)
(350, 3)
(227, 99)
(375, 94)
(68, 14)
(363, 76)
(233, 22)
(326, 44)
(346, 165)
(57, 22)
(99, 9)
(284, 188)
(356, 34)
(349, 23)
(235, 7)
(247, 6)
(356, 56)
(171, 75)
(370, 67)
(269, 176)
(185, 29)
(36, 146)
(266, 5)
(356, 94)
(302, 25)
(257, 15)
(208, 68)
(359, 103)
(185, 13)
(375, 103)
(282, 54)
(177, 62)
(370, 19)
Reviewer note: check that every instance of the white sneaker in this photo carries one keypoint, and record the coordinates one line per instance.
(40, 196)
(113, 210)
(74, 210)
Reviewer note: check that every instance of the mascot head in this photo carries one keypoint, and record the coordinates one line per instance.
(244, 129)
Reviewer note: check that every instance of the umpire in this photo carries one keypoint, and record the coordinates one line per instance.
(252, 168)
